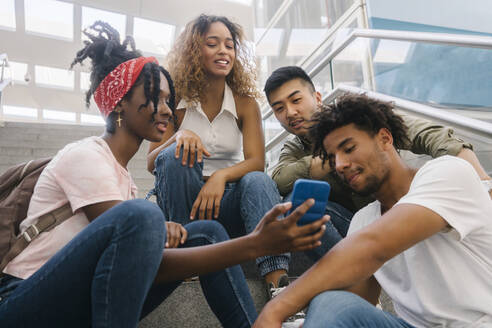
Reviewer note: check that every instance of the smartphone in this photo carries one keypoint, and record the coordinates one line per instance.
(305, 189)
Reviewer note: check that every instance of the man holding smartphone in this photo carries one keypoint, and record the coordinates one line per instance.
(426, 239)
(294, 99)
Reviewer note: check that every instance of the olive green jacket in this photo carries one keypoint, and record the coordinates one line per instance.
(425, 138)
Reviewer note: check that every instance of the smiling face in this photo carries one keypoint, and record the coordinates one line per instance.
(139, 119)
(218, 51)
(359, 158)
(293, 104)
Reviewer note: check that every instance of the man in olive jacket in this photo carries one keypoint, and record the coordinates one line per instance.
(293, 98)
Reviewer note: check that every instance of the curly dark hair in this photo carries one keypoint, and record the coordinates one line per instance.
(185, 60)
(367, 114)
(106, 52)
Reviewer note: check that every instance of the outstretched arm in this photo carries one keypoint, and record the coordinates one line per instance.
(353, 260)
(271, 236)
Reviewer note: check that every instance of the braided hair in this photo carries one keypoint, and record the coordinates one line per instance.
(106, 52)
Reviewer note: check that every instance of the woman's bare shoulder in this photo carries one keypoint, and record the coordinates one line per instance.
(245, 104)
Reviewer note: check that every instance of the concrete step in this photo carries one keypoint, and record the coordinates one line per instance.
(187, 307)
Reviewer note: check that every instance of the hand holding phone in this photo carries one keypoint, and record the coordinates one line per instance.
(305, 189)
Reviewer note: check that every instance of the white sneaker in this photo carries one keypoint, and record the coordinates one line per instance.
(297, 319)
(293, 324)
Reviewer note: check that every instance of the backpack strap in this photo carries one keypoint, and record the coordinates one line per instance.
(24, 170)
(45, 223)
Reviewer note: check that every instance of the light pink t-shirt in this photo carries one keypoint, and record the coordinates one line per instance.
(82, 173)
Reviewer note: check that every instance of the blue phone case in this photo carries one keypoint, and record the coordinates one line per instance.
(304, 189)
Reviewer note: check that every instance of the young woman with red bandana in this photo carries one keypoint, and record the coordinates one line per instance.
(106, 266)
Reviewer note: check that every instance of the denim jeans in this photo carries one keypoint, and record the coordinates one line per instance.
(103, 277)
(243, 204)
(336, 228)
(341, 309)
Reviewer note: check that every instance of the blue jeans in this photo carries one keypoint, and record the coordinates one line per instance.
(243, 204)
(336, 228)
(103, 277)
(341, 309)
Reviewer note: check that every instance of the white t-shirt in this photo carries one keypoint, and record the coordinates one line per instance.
(446, 279)
(82, 173)
(221, 137)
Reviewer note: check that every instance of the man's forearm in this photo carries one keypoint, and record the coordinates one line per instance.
(469, 156)
(346, 264)
(357, 257)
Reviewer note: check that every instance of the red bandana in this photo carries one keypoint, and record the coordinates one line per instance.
(117, 83)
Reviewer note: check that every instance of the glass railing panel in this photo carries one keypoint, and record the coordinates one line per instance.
(297, 33)
(265, 10)
(353, 22)
(434, 74)
(351, 64)
(272, 156)
(322, 81)
(449, 77)
(271, 128)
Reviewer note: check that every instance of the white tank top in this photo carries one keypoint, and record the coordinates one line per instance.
(221, 137)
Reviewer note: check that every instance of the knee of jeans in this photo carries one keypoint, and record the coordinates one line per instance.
(213, 231)
(145, 215)
(167, 156)
(337, 308)
(167, 159)
(258, 180)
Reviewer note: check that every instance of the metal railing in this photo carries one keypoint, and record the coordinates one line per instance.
(357, 8)
(4, 63)
(473, 41)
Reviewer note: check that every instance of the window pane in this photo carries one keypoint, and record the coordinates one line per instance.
(20, 111)
(153, 37)
(85, 81)
(48, 17)
(91, 119)
(90, 15)
(7, 14)
(57, 115)
(55, 77)
(18, 71)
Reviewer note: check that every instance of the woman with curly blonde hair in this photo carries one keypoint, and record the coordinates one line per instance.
(210, 166)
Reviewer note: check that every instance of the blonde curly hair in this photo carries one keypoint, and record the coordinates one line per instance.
(185, 61)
